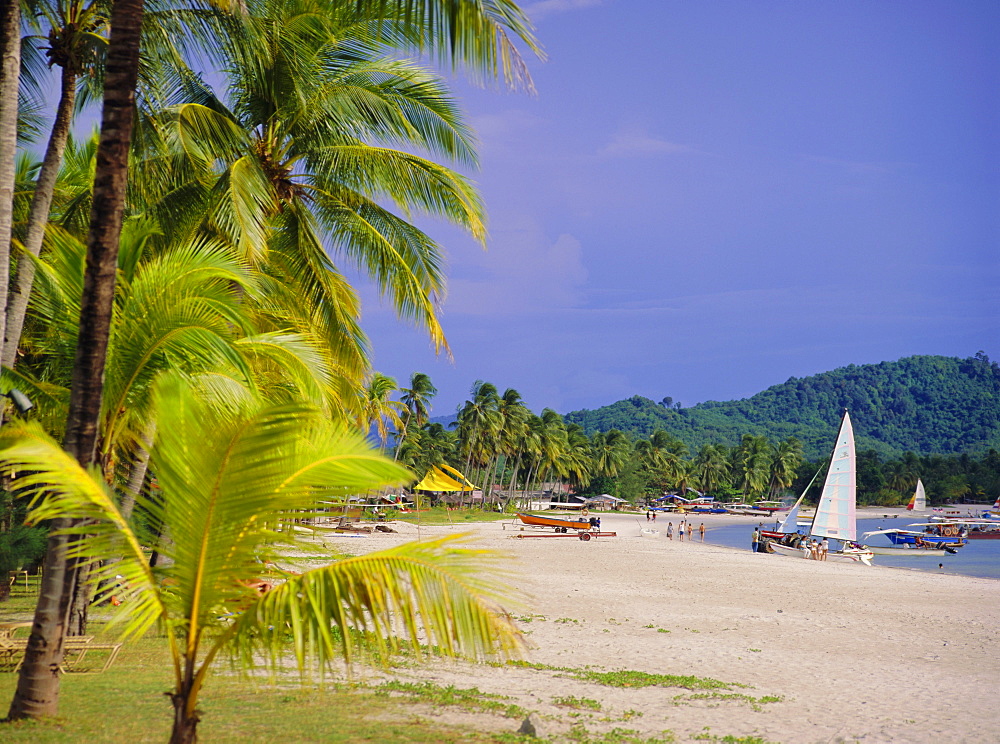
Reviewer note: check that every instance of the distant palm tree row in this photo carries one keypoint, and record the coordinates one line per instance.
(501, 445)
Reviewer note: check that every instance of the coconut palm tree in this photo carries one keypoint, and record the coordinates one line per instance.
(471, 32)
(232, 483)
(752, 463)
(76, 36)
(786, 459)
(376, 409)
(577, 463)
(712, 467)
(661, 454)
(478, 423)
(416, 402)
(611, 451)
(10, 64)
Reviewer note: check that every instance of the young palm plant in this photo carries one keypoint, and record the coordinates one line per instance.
(233, 483)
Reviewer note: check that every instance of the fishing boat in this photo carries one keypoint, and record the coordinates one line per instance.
(771, 507)
(910, 550)
(560, 525)
(949, 534)
(836, 513)
(970, 529)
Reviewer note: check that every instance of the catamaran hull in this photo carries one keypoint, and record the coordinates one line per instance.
(911, 552)
(850, 555)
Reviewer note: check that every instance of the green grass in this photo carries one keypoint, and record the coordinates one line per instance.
(576, 703)
(632, 678)
(127, 704)
(440, 515)
(465, 698)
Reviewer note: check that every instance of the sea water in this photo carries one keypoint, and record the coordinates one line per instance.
(978, 558)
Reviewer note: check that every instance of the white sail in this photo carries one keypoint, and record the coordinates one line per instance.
(789, 523)
(919, 500)
(836, 513)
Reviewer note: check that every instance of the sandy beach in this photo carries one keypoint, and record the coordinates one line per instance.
(855, 653)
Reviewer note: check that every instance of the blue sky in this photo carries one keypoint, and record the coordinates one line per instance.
(707, 198)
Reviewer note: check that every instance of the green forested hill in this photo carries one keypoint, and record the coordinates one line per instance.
(922, 404)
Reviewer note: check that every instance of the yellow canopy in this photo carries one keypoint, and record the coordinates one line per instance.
(444, 478)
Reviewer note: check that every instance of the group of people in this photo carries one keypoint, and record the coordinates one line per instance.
(817, 549)
(684, 527)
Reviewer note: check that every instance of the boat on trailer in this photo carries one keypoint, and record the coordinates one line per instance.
(559, 525)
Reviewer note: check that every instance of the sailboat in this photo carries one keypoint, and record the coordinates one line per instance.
(836, 513)
(918, 501)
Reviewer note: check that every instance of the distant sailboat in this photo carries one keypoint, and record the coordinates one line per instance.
(836, 513)
(918, 501)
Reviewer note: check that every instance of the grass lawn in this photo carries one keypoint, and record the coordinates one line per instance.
(128, 704)
(441, 515)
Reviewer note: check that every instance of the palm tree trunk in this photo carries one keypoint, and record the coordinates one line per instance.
(137, 473)
(37, 691)
(41, 202)
(10, 75)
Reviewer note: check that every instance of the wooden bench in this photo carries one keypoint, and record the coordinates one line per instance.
(77, 654)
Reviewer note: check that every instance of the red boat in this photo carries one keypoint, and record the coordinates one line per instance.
(560, 525)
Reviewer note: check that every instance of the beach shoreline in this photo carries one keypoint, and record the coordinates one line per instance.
(854, 653)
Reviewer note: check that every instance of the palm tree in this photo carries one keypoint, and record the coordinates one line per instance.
(478, 422)
(377, 409)
(232, 483)
(471, 32)
(786, 459)
(610, 452)
(10, 64)
(76, 41)
(577, 463)
(712, 467)
(416, 402)
(752, 463)
(661, 454)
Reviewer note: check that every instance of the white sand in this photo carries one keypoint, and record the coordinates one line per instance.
(856, 653)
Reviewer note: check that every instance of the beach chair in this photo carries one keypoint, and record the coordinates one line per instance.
(80, 655)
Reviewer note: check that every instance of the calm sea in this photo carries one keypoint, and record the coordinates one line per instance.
(978, 558)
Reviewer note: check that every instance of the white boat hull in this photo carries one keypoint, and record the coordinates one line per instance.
(851, 555)
(911, 552)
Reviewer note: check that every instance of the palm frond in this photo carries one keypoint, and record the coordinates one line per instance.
(428, 596)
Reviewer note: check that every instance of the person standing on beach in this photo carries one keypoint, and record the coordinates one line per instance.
(680, 531)
(701, 529)
(824, 548)
(670, 530)
(755, 538)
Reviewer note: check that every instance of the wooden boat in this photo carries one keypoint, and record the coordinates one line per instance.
(561, 525)
(771, 507)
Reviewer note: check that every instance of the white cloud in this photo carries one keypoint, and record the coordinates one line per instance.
(524, 274)
(636, 143)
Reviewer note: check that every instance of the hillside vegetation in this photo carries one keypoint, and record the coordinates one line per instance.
(921, 404)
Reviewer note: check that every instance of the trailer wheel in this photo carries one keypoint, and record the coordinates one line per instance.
(585, 536)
